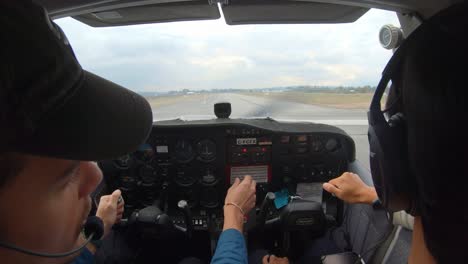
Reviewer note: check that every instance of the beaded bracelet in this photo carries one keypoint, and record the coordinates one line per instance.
(235, 205)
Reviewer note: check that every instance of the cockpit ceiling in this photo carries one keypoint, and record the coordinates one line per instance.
(241, 12)
(124, 12)
(106, 13)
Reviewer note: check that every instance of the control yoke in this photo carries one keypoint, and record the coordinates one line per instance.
(151, 220)
(298, 215)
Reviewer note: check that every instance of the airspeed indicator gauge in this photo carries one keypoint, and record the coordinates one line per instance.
(206, 150)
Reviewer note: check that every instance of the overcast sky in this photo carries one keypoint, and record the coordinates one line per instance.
(210, 54)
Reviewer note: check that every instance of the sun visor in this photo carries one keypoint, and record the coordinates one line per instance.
(289, 12)
(153, 13)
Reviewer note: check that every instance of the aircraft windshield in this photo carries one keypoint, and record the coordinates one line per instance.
(318, 73)
(323, 73)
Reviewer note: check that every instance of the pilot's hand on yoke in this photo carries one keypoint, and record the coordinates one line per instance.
(351, 189)
(240, 199)
(272, 259)
(110, 210)
(348, 187)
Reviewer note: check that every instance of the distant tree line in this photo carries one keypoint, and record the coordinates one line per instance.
(301, 88)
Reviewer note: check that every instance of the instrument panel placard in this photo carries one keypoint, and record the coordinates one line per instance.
(246, 141)
(259, 173)
(162, 149)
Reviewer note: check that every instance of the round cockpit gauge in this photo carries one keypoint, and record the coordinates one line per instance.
(209, 198)
(184, 178)
(184, 151)
(123, 161)
(145, 153)
(148, 175)
(147, 195)
(208, 177)
(390, 37)
(127, 182)
(332, 145)
(206, 150)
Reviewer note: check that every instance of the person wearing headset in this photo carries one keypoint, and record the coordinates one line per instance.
(348, 187)
(418, 144)
(56, 120)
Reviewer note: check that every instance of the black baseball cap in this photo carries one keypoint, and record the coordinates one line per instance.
(49, 105)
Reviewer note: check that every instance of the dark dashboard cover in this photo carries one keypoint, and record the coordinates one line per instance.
(269, 124)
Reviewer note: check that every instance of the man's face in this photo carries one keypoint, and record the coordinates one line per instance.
(45, 206)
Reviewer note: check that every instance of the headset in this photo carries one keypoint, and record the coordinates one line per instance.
(93, 230)
(388, 146)
(394, 182)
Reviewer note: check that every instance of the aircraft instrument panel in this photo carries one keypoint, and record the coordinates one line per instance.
(197, 161)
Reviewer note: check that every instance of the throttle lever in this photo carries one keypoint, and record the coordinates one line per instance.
(183, 206)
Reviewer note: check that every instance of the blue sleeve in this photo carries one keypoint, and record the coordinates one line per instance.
(231, 248)
(86, 257)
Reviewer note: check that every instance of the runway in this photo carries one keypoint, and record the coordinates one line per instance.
(354, 122)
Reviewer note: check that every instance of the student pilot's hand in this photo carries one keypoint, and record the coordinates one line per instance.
(240, 199)
(272, 259)
(110, 210)
(351, 189)
(242, 193)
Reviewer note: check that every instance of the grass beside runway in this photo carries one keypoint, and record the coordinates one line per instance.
(335, 100)
(164, 100)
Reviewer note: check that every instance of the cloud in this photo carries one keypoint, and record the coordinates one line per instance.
(210, 54)
(223, 63)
